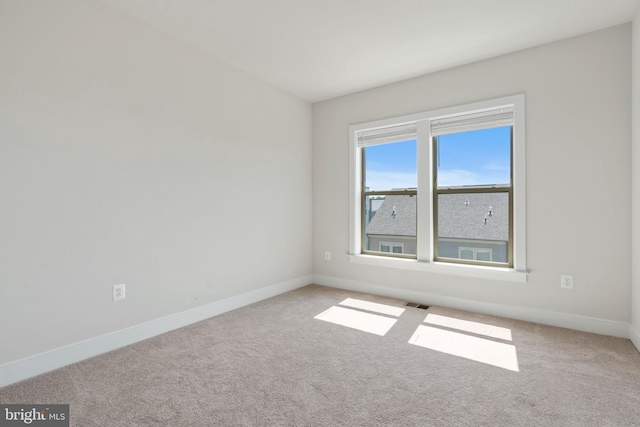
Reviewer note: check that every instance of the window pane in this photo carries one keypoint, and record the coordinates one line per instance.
(466, 254)
(397, 249)
(390, 220)
(384, 248)
(473, 220)
(483, 256)
(480, 157)
(390, 166)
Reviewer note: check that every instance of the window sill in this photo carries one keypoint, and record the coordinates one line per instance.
(493, 273)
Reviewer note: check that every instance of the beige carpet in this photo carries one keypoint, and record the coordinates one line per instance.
(275, 364)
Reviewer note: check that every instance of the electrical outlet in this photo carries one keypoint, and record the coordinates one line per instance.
(327, 256)
(566, 282)
(118, 292)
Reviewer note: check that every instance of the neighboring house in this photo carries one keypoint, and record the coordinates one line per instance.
(373, 204)
(393, 227)
(463, 231)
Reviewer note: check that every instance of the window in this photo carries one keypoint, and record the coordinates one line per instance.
(396, 248)
(442, 188)
(479, 254)
(389, 181)
(472, 188)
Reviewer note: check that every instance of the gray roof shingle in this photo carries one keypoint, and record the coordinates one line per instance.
(459, 221)
(403, 223)
(456, 219)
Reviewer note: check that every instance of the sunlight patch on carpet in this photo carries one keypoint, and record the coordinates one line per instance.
(359, 320)
(469, 347)
(467, 326)
(373, 306)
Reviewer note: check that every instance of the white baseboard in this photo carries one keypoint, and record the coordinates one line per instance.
(545, 317)
(634, 336)
(28, 367)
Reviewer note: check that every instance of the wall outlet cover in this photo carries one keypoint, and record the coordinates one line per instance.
(118, 292)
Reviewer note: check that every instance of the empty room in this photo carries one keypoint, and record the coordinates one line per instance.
(320, 213)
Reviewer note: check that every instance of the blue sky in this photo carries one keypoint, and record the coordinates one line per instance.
(470, 158)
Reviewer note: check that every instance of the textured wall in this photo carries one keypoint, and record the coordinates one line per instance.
(636, 174)
(129, 157)
(578, 168)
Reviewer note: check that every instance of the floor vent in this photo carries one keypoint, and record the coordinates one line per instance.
(416, 305)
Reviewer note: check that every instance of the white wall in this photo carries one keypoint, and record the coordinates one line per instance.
(578, 173)
(129, 157)
(635, 331)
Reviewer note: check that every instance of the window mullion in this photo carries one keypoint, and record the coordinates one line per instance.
(424, 224)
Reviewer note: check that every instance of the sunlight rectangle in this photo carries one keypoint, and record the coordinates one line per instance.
(467, 326)
(373, 306)
(466, 346)
(354, 319)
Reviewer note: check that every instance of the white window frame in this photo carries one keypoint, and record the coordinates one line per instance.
(425, 260)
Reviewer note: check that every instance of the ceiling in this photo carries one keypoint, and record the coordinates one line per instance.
(320, 49)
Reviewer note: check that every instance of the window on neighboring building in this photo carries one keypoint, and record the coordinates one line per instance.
(442, 186)
(396, 248)
(478, 254)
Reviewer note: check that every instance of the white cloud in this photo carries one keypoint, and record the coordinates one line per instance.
(495, 167)
(446, 178)
(388, 180)
(457, 177)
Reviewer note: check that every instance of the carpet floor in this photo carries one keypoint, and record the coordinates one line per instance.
(320, 356)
